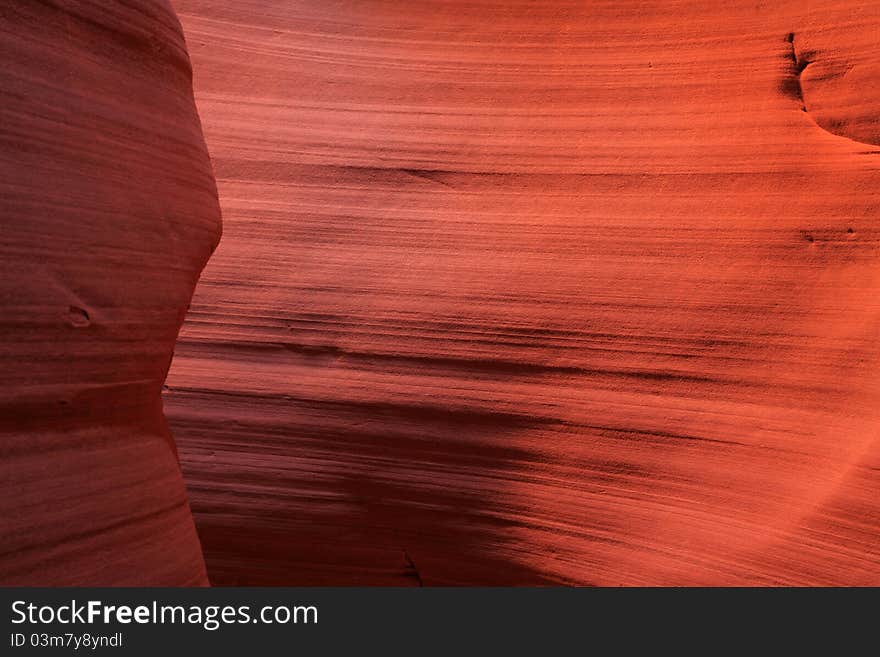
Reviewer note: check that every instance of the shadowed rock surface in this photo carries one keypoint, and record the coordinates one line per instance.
(510, 292)
(109, 212)
(517, 292)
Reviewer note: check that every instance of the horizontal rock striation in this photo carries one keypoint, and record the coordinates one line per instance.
(518, 292)
(108, 212)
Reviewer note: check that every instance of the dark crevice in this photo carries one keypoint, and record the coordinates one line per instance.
(411, 568)
(426, 174)
(78, 317)
(799, 60)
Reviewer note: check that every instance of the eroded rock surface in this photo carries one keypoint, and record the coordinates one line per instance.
(510, 292)
(522, 292)
(109, 212)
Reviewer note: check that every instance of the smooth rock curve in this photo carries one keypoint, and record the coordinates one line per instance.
(109, 212)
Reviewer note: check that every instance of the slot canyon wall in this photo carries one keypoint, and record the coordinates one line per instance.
(529, 292)
(109, 211)
(509, 292)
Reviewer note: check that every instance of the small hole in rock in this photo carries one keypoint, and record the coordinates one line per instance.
(78, 317)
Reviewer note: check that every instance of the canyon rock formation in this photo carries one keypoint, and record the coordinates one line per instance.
(109, 212)
(509, 292)
(528, 292)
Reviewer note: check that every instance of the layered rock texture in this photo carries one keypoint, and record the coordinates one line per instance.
(108, 212)
(510, 292)
(528, 292)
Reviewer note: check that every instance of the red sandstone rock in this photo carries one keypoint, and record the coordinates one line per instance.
(510, 292)
(109, 212)
(536, 291)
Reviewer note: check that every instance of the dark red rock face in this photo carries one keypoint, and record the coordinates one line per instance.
(109, 212)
